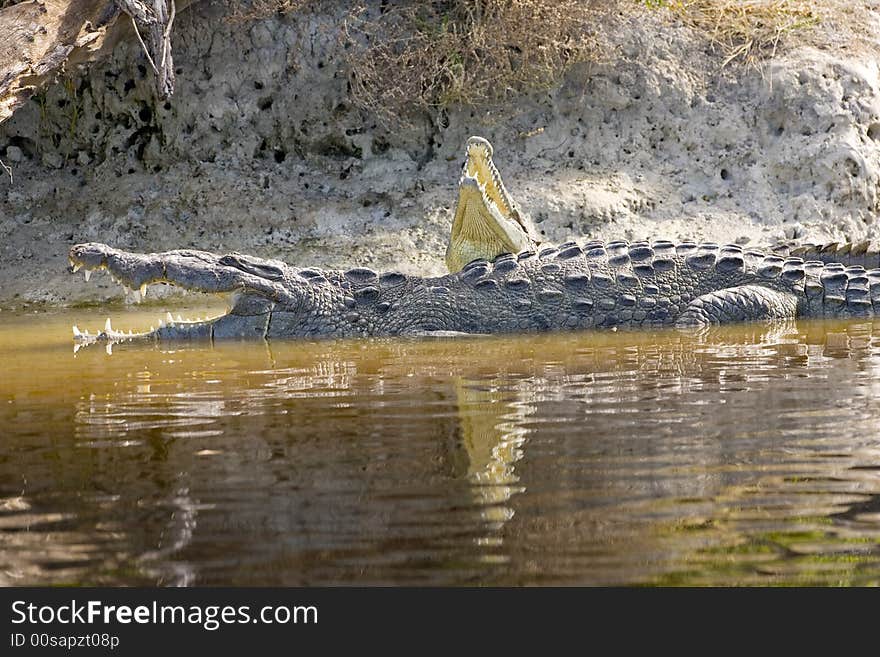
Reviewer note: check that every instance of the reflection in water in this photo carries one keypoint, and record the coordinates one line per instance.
(746, 455)
(491, 437)
(161, 563)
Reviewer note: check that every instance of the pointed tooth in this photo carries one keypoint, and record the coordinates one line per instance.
(169, 318)
(76, 332)
(179, 318)
(77, 347)
(161, 323)
(107, 327)
(143, 290)
(151, 328)
(76, 267)
(109, 348)
(88, 275)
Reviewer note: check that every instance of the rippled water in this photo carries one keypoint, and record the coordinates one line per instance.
(749, 455)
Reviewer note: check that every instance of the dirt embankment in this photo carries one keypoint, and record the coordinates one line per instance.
(262, 149)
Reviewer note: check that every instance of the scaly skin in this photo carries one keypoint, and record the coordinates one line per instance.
(865, 253)
(588, 286)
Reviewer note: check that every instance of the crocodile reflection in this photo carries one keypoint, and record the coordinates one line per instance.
(298, 468)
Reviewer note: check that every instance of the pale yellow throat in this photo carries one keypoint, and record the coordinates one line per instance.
(487, 222)
(475, 233)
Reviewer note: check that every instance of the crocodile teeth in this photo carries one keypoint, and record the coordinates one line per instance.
(161, 324)
(109, 348)
(179, 318)
(143, 290)
(169, 318)
(76, 268)
(107, 327)
(88, 275)
(76, 332)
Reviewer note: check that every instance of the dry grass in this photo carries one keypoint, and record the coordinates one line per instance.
(411, 57)
(745, 31)
(474, 52)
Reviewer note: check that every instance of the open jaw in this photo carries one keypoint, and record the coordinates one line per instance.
(487, 222)
(253, 288)
(480, 167)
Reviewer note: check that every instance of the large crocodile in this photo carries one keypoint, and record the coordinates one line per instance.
(490, 290)
(573, 286)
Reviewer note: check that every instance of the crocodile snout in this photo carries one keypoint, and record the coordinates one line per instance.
(90, 255)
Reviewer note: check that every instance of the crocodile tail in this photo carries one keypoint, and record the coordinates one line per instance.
(865, 253)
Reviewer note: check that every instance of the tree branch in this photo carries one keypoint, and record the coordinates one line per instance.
(155, 18)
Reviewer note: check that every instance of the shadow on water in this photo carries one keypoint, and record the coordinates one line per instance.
(744, 455)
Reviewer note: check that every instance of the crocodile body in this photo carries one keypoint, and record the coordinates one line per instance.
(593, 285)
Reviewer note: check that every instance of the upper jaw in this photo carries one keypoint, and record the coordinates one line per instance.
(134, 272)
(479, 165)
(199, 271)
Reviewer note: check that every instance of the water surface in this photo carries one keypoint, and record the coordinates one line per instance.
(748, 455)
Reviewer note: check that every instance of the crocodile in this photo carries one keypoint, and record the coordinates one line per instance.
(503, 279)
(589, 285)
(488, 222)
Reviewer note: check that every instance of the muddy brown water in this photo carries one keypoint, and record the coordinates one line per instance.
(747, 455)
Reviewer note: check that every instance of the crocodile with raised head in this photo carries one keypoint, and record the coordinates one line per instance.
(488, 222)
(573, 286)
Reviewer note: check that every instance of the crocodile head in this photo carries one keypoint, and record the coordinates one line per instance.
(255, 288)
(487, 222)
